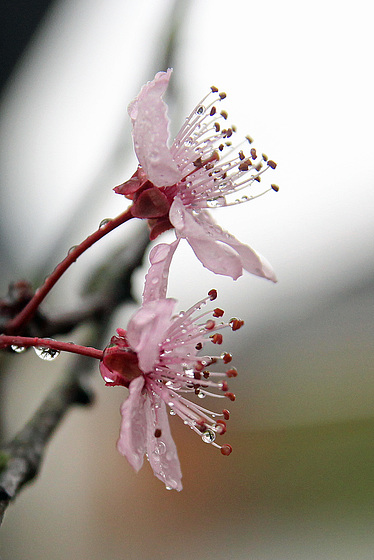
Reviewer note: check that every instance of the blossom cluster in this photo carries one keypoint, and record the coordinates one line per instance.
(161, 357)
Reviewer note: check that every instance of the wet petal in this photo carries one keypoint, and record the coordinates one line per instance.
(217, 249)
(146, 330)
(251, 261)
(156, 280)
(162, 451)
(213, 255)
(132, 439)
(150, 122)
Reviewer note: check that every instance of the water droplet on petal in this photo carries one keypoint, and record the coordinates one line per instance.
(160, 448)
(18, 349)
(72, 249)
(45, 353)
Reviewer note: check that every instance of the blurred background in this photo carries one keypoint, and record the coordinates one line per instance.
(300, 482)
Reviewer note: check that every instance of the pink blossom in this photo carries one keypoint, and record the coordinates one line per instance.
(174, 186)
(158, 359)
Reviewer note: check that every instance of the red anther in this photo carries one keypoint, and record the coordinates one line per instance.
(226, 449)
(217, 338)
(209, 325)
(253, 153)
(197, 374)
(199, 366)
(272, 164)
(221, 147)
(198, 346)
(221, 427)
(236, 324)
(218, 312)
(224, 386)
(227, 357)
(198, 162)
(249, 138)
(214, 89)
(222, 95)
(275, 188)
(241, 155)
(230, 396)
(212, 111)
(224, 114)
(233, 372)
(158, 432)
(200, 425)
(206, 374)
(212, 294)
(217, 126)
(258, 167)
(226, 414)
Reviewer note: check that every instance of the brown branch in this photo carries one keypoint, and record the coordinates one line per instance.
(23, 455)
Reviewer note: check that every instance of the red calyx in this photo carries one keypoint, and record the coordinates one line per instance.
(123, 363)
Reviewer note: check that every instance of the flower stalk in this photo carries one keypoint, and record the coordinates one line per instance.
(20, 342)
(28, 311)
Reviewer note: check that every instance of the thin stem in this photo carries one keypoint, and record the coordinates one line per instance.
(27, 341)
(28, 311)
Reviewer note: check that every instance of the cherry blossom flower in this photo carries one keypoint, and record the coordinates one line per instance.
(159, 359)
(175, 186)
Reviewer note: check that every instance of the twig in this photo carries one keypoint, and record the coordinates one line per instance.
(21, 458)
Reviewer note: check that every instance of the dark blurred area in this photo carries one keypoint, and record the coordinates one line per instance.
(19, 20)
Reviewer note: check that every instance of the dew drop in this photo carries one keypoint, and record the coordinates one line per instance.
(104, 222)
(216, 202)
(18, 349)
(160, 448)
(201, 395)
(72, 249)
(168, 488)
(208, 436)
(47, 354)
(172, 412)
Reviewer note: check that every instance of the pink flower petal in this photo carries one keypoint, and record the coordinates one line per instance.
(150, 122)
(156, 280)
(132, 439)
(213, 255)
(162, 451)
(146, 330)
(206, 239)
